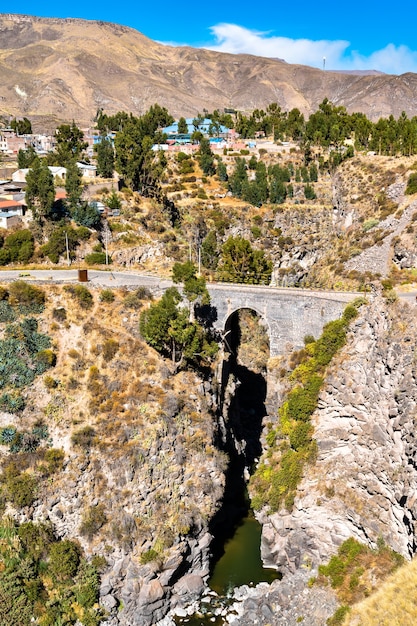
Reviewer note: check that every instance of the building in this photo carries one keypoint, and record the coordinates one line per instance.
(19, 176)
(7, 220)
(207, 127)
(12, 207)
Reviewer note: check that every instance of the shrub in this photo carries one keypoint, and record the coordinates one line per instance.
(110, 348)
(64, 559)
(21, 489)
(59, 314)
(411, 184)
(54, 457)
(82, 295)
(134, 299)
(107, 295)
(148, 556)
(45, 359)
(22, 293)
(97, 258)
(92, 520)
(84, 438)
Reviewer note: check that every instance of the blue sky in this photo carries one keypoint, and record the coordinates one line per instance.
(349, 35)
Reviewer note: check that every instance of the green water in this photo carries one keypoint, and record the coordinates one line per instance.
(241, 562)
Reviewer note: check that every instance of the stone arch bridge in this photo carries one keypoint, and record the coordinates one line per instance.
(289, 314)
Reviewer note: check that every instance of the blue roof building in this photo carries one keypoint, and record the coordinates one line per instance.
(206, 127)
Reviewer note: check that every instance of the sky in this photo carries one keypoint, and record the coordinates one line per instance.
(360, 34)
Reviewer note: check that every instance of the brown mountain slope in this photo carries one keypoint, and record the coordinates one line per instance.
(67, 68)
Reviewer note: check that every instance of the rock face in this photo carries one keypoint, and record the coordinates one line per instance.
(364, 483)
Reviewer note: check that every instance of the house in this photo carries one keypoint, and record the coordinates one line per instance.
(87, 170)
(207, 127)
(10, 143)
(7, 220)
(19, 176)
(11, 207)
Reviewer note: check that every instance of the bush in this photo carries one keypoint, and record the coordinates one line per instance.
(411, 184)
(107, 295)
(64, 559)
(148, 556)
(82, 295)
(21, 489)
(54, 457)
(21, 293)
(134, 299)
(97, 258)
(84, 438)
(59, 314)
(110, 348)
(92, 520)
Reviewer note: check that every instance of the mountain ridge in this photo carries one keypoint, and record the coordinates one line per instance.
(67, 68)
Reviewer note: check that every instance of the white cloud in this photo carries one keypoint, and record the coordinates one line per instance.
(238, 40)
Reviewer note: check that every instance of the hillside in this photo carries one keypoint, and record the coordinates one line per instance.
(67, 68)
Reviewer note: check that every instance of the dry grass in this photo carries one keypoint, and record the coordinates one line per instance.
(394, 604)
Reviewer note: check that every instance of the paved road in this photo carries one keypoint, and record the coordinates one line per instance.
(132, 279)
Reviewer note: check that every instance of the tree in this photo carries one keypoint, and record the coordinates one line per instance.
(70, 144)
(135, 160)
(182, 126)
(86, 214)
(105, 158)
(73, 186)
(209, 251)
(113, 201)
(238, 178)
(26, 157)
(206, 158)
(21, 127)
(40, 190)
(194, 287)
(166, 327)
(240, 263)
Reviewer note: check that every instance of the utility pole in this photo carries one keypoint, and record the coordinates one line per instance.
(67, 249)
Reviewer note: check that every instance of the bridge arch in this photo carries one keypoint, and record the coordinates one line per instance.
(228, 321)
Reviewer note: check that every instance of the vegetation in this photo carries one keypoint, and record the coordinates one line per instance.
(44, 579)
(355, 572)
(291, 445)
(240, 263)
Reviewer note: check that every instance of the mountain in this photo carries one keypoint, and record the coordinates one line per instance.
(67, 68)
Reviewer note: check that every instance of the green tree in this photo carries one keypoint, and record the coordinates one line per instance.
(64, 559)
(182, 126)
(240, 263)
(26, 157)
(105, 158)
(40, 190)
(20, 245)
(21, 127)
(206, 158)
(209, 251)
(73, 186)
(222, 171)
(238, 178)
(87, 214)
(70, 144)
(113, 201)
(194, 287)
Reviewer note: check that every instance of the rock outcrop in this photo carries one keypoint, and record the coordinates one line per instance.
(364, 482)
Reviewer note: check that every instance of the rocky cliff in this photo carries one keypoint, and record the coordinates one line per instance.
(364, 481)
